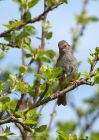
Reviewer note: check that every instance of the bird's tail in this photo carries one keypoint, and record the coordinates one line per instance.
(62, 100)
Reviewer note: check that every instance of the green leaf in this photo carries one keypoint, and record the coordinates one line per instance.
(12, 105)
(23, 87)
(28, 55)
(40, 76)
(49, 35)
(29, 29)
(26, 17)
(72, 137)
(49, 53)
(32, 3)
(23, 69)
(90, 61)
(20, 114)
(62, 135)
(64, 1)
(83, 19)
(86, 74)
(30, 122)
(67, 127)
(32, 115)
(94, 135)
(8, 132)
(4, 99)
(80, 112)
(77, 76)
(22, 3)
(45, 59)
(96, 78)
(41, 128)
(43, 68)
(14, 24)
(2, 87)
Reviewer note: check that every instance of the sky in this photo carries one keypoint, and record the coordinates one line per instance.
(62, 20)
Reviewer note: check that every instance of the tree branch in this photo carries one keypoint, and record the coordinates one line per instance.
(57, 94)
(23, 132)
(35, 19)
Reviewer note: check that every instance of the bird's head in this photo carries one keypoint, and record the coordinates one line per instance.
(64, 47)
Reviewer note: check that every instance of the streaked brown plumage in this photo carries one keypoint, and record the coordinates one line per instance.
(68, 62)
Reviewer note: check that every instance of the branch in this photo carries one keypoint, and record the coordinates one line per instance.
(23, 133)
(58, 94)
(22, 95)
(8, 120)
(78, 36)
(39, 64)
(44, 92)
(10, 45)
(35, 19)
(83, 26)
(88, 125)
(12, 118)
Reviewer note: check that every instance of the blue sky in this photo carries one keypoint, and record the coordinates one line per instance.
(62, 19)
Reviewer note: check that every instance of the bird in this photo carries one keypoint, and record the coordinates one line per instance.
(68, 63)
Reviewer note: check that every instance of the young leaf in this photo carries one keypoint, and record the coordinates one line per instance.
(40, 76)
(20, 114)
(23, 69)
(30, 122)
(5, 99)
(86, 74)
(32, 3)
(90, 61)
(14, 24)
(41, 128)
(96, 78)
(48, 35)
(62, 135)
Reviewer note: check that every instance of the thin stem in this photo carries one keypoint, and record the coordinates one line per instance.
(52, 116)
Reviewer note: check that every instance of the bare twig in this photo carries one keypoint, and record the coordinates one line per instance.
(89, 124)
(82, 28)
(52, 116)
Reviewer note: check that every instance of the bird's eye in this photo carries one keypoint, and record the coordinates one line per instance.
(64, 46)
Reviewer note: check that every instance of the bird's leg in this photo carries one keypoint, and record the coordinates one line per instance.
(74, 82)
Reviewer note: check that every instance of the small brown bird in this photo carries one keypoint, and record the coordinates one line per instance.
(68, 62)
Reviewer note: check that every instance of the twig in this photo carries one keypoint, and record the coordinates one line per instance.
(35, 19)
(43, 41)
(10, 45)
(44, 92)
(78, 36)
(20, 101)
(52, 116)
(83, 26)
(12, 118)
(88, 125)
